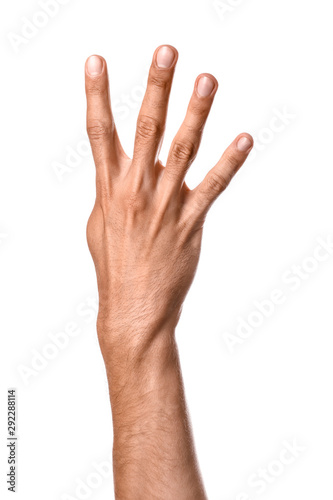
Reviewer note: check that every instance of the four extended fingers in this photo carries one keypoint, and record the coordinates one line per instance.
(152, 115)
(107, 149)
(218, 178)
(101, 129)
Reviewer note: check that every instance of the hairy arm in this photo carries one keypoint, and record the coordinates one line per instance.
(144, 234)
(153, 448)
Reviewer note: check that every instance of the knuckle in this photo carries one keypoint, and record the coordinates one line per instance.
(232, 162)
(217, 183)
(148, 127)
(159, 82)
(199, 110)
(135, 202)
(98, 130)
(195, 130)
(183, 151)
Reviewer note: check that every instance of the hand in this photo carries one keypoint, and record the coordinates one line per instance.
(145, 230)
(144, 235)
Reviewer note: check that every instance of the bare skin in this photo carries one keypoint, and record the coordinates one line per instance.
(144, 235)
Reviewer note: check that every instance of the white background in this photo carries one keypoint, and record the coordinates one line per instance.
(277, 384)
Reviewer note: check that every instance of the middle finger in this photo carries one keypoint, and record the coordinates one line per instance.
(152, 116)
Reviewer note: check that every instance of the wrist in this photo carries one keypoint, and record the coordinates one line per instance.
(135, 342)
(136, 329)
(138, 369)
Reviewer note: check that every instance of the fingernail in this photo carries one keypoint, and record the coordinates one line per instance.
(244, 144)
(205, 86)
(94, 65)
(165, 57)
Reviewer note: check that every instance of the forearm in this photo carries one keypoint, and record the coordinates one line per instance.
(153, 449)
